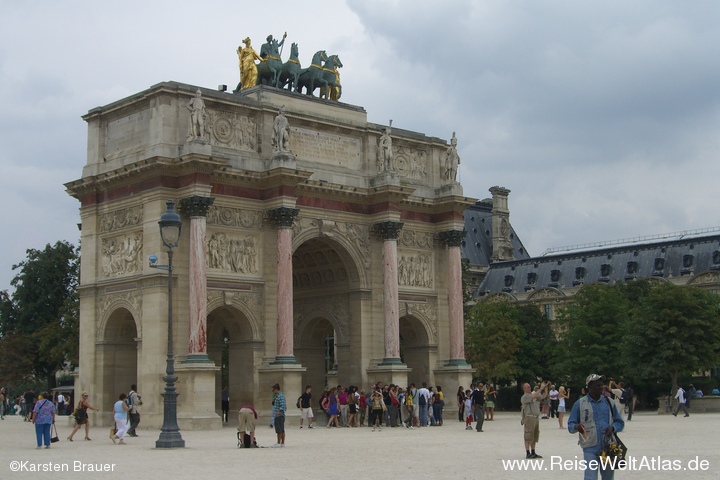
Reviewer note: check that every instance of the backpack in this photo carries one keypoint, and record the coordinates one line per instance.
(623, 397)
(423, 401)
(128, 400)
(298, 404)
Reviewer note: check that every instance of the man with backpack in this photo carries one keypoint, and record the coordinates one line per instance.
(133, 400)
(423, 397)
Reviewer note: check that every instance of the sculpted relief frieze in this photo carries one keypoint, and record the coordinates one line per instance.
(117, 219)
(232, 130)
(234, 254)
(234, 217)
(358, 235)
(122, 254)
(302, 224)
(413, 239)
(415, 270)
(410, 162)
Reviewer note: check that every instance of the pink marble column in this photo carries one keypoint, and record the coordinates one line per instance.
(196, 207)
(453, 240)
(283, 218)
(389, 232)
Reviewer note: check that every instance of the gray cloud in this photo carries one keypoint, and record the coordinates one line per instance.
(602, 118)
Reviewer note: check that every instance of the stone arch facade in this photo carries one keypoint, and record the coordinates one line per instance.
(107, 305)
(274, 245)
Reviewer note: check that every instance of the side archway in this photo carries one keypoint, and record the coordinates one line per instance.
(231, 345)
(117, 355)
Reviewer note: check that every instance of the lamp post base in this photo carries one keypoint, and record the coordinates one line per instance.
(170, 440)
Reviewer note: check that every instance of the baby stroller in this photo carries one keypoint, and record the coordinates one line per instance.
(245, 442)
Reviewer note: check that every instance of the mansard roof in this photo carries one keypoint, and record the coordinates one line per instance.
(665, 259)
(477, 246)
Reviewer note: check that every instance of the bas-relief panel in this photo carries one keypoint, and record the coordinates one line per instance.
(118, 219)
(232, 253)
(415, 270)
(232, 130)
(122, 254)
(314, 146)
(410, 162)
(414, 239)
(234, 217)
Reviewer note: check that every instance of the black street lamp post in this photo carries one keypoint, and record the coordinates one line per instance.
(170, 225)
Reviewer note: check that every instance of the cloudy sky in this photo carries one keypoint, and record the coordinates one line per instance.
(602, 118)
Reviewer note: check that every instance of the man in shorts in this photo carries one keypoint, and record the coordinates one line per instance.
(305, 408)
(530, 412)
(278, 414)
(247, 421)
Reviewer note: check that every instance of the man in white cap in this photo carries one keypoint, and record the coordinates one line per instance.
(593, 417)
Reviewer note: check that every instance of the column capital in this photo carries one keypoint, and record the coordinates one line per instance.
(283, 217)
(388, 230)
(453, 238)
(196, 205)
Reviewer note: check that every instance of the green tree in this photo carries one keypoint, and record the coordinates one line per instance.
(492, 338)
(674, 331)
(39, 320)
(590, 332)
(537, 344)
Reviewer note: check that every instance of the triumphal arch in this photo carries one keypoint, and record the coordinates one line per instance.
(316, 248)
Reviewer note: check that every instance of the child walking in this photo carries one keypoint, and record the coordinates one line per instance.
(468, 410)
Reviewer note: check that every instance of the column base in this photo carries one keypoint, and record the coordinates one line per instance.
(388, 373)
(454, 375)
(289, 376)
(391, 361)
(457, 362)
(197, 393)
(198, 358)
(285, 360)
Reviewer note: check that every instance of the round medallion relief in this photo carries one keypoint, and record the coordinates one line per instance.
(223, 130)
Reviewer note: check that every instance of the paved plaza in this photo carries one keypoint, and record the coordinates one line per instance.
(434, 452)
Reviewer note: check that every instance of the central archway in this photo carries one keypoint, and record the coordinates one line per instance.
(326, 314)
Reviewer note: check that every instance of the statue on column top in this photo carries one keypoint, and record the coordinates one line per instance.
(384, 151)
(452, 160)
(196, 105)
(281, 132)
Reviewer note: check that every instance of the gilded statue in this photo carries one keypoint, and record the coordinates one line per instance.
(248, 69)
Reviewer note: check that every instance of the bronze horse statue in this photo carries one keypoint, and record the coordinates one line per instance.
(312, 77)
(290, 70)
(331, 74)
(269, 70)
